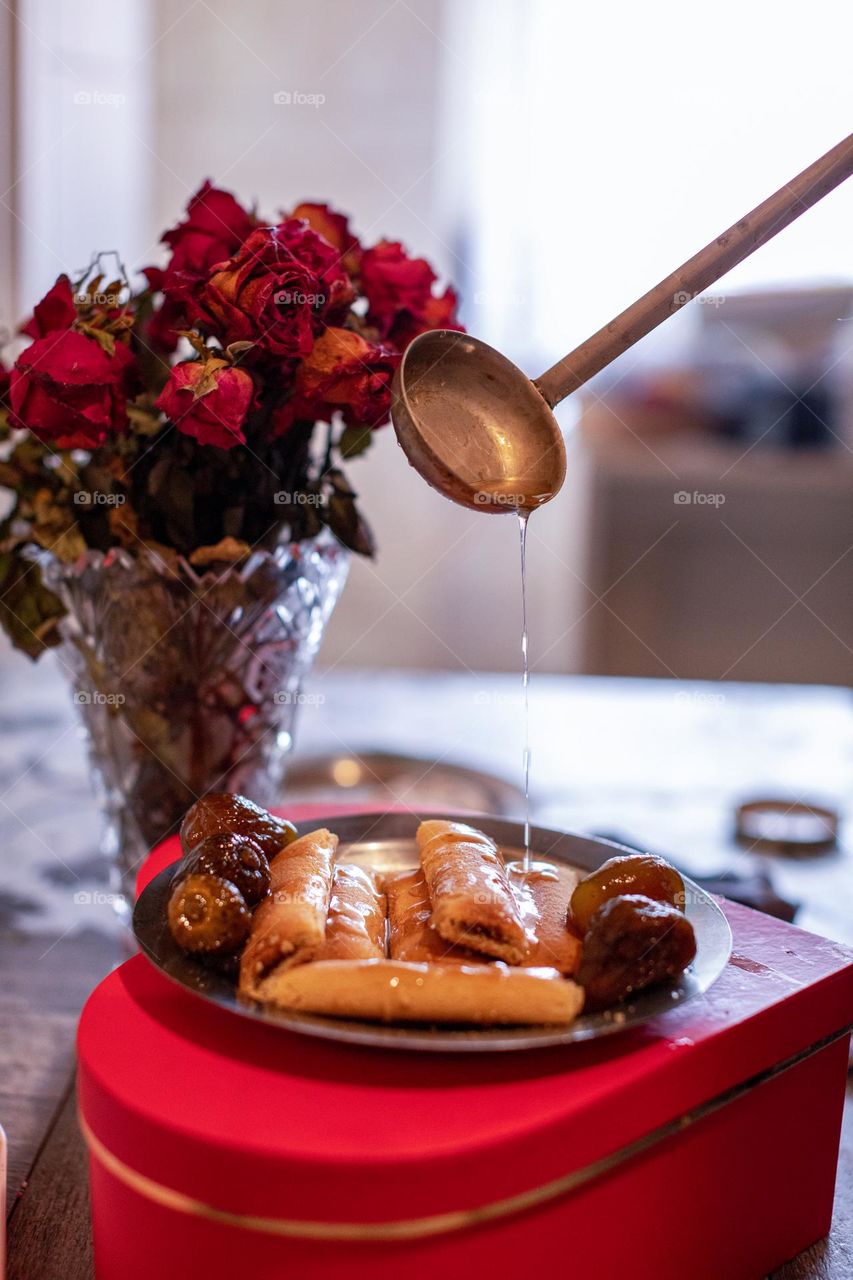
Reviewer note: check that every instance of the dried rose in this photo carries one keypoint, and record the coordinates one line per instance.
(335, 229)
(316, 253)
(278, 291)
(343, 373)
(439, 312)
(393, 282)
(209, 400)
(70, 391)
(163, 327)
(215, 226)
(55, 311)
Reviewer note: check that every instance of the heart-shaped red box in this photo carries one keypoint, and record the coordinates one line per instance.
(703, 1144)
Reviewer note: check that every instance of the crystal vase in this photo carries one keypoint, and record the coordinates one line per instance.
(189, 682)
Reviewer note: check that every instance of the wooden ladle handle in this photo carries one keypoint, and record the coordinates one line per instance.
(700, 271)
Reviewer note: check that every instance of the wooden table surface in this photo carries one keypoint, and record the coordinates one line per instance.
(657, 763)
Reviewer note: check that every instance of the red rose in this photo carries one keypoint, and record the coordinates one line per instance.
(4, 384)
(394, 282)
(268, 295)
(208, 400)
(215, 227)
(69, 391)
(400, 301)
(439, 312)
(55, 311)
(315, 252)
(343, 373)
(162, 329)
(333, 227)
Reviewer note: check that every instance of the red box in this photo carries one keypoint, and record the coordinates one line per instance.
(702, 1145)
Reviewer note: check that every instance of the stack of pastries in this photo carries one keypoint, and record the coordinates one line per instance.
(463, 938)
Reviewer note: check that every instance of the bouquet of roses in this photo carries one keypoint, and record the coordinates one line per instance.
(207, 413)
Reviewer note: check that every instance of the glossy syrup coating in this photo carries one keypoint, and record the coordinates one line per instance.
(208, 915)
(633, 942)
(223, 812)
(643, 873)
(235, 858)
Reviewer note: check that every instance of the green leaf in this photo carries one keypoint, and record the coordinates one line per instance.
(355, 440)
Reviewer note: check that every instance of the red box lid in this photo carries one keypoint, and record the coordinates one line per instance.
(191, 1096)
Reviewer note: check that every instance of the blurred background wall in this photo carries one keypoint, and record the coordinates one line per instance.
(554, 162)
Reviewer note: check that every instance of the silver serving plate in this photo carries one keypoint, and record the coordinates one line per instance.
(386, 841)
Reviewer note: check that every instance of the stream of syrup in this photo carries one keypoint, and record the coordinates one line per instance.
(523, 517)
(512, 494)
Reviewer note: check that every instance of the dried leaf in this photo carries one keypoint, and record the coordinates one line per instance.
(105, 340)
(144, 417)
(236, 349)
(10, 476)
(339, 482)
(355, 440)
(343, 518)
(124, 525)
(29, 612)
(228, 551)
(195, 340)
(55, 528)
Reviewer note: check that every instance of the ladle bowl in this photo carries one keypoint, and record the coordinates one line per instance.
(475, 426)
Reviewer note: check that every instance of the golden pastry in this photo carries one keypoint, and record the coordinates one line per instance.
(290, 924)
(472, 902)
(543, 894)
(395, 991)
(356, 923)
(411, 936)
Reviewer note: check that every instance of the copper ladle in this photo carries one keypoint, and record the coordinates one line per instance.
(483, 434)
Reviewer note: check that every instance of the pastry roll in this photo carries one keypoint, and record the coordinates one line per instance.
(396, 991)
(356, 923)
(290, 923)
(411, 936)
(543, 894)
(472, 902)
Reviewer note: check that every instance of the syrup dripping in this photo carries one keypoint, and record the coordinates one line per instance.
(523, 517)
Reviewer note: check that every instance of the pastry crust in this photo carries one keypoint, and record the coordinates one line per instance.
(411, 936)
(290, 924)
(395, 991)
(543, 895)
(356, 924)
(472, 902)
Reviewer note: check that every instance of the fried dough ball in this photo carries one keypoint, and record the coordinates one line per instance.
(232, 857)
(221, 811)
(208, 915)
(633, 942)
(643, 873)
